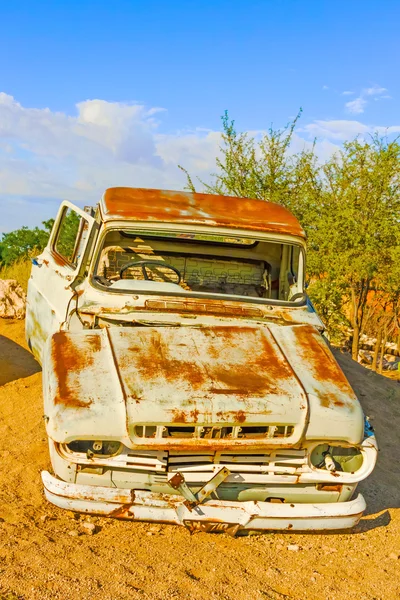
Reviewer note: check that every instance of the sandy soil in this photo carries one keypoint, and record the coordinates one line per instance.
(45, 554)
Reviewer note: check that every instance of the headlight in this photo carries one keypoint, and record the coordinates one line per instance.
(336, 458)
(93, 448)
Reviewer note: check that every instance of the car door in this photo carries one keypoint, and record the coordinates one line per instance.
(56, 273)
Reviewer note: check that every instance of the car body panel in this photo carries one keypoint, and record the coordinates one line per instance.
(200, 376)
(51, 284)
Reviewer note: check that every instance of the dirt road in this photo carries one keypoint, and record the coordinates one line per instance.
(45, 554)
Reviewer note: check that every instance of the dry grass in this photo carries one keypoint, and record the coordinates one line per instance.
(19, 270)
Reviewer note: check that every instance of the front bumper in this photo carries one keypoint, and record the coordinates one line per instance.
(212, 515)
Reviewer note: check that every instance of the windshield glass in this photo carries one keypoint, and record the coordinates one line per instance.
(198, 263)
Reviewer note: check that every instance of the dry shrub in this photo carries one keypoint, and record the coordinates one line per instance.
(19, 270)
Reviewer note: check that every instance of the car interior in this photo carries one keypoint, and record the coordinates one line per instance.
(211, 264)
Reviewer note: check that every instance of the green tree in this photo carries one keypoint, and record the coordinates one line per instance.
(357, 232)
(263, 168)
(349, 207)
(20, 242)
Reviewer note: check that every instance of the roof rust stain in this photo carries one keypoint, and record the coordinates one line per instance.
(140, 204)
(67, 360)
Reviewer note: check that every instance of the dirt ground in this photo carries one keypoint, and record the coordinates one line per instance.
(45, 554)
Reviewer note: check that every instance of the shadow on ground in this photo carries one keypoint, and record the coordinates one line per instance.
(380, 399)
(15, 361)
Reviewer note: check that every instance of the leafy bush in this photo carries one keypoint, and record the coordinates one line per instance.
(21, 242)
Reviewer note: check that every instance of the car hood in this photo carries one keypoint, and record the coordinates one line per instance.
(176, 387)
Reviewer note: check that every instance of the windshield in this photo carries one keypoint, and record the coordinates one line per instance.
(198, 263)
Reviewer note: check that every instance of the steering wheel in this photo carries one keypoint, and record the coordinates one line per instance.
(147, 263)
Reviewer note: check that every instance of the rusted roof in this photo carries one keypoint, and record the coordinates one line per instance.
(139, 204)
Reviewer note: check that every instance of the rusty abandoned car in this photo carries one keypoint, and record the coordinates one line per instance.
(186, 379)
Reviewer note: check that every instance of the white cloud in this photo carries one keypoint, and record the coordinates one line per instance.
(47, 156)
(356, 106)
(375, 90)
(340, 130)
(348, 93)
(51, 155)
(325, 87)
(393, 129)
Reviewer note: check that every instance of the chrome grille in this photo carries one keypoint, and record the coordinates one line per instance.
(280, 462)
(198, 466)
(204, 432)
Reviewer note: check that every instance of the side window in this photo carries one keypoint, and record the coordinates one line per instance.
(71, 236)
(295, 261)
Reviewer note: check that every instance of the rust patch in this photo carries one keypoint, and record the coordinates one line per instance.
(67, 359)
(122, 512)
(240, 416)
(194, 414)
(259, 374)
(329, 399)
(176, 480)
(239, 361)
(328, 487)
(193, 445)
(200, 307)
(157, 361)
(94, 342)
(59, 260)
(323, 365)
(179, 416)
(227, 391)
(208, 209)
(319, 357)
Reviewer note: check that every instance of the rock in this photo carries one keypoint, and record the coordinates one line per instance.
(89, 528)
(293, 547)
(73, 533)
(394, 555)
(154, 529)
(12, 299)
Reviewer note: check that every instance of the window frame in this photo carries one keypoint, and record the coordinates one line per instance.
(85, 217)
(279, 239)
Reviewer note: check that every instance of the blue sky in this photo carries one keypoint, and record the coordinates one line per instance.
(116, 93)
